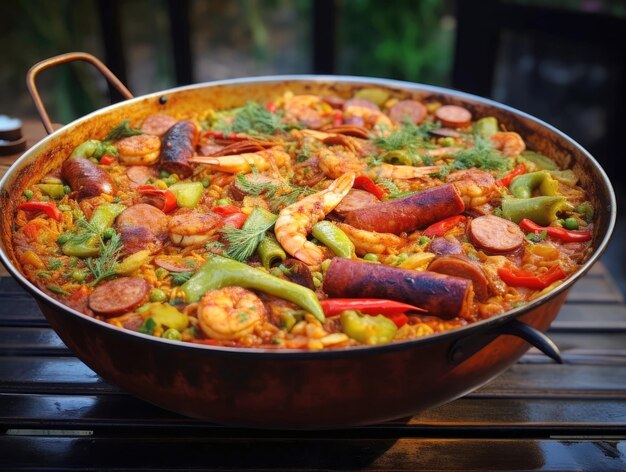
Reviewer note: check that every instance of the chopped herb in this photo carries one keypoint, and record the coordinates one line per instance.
(253, 118)
(58, 290)
(423, 240)
(243, 242)
(123, 130)
(392, 189)
(180, 278)
(54, 264)
(214, 246)
(481, 156)
(103, 266)
(44, 274)
(242, 317)
(148, 326)
(278, 195)
(535, 238)
(408, 136)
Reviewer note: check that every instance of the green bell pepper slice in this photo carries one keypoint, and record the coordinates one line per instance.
(218, 272)
(52, 190)
(334, 238)
(102, 218)
(188, 194)
(541, 210)
(486, 126)
(368, 329)
(536, 160)
(524, 185)
(270, 251)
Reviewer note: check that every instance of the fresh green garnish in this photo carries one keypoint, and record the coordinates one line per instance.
(58, 290)
(536, 238)
(148, 326)
(103, 266)
(278, 196)
(254, 119)
(392, 189)
(180, 278)
(243, 242)
(123, 130)
(408, 136)
(54, 264)
(482, 156)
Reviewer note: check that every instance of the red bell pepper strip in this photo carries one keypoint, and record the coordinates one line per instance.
(442, 227)
(48, 208)
(107, 160)
(566, 235)
(399, 319)
(369, 306)
(169, 199)
(338, 118)
(227, 136)
(236, 220)
(226, 210)
(363, 182)
(508, 178)
(521, 278)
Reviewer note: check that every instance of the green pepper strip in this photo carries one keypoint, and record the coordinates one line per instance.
(218, 272)
(523, 186)
(541, 210)
(103, 218)
(486, 126)
(269, 251)
(333, 237)
(539, 161)
(188, 194)
(368, 329)
(52, 190)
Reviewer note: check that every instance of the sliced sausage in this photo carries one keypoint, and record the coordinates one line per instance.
(299, 273)
(454, 116)
(138, 238)
(411, 109)
(145, 216)
(461, 266)
(333, 101)
(118, 296)
(158, 124)
(174, 263)
(355, 200)
(237, 193)
(442, 295)
(139, 175)
(86, 178)
(409, 213)
(360, 102)
(495, 235)
(179, 144)
(442, 246)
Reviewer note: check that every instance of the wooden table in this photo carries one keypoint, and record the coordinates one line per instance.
(57, 414)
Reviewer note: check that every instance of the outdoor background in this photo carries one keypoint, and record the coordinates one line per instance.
(570, 84)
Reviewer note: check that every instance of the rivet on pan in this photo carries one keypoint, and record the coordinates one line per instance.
(163, 99)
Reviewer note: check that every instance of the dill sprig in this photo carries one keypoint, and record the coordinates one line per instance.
(254, 119)
(243, 242)
(179, 278)
(278, 195)
(392, 189)
(408, 136)
(103, 266)
(123, 130)
(85, 232)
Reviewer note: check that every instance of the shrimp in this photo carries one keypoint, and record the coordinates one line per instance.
(389, 171)
(296, 220)
(139, 150)
(230, 313)
(337, 162)
(371, 118)
(193, 229)
(370, 241)
(246, 162)
(509, 143)
(476, 187)
(310, 110)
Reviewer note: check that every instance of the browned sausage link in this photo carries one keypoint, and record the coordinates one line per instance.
(179, 144)
(495, 235)
(409, 213)
(454, 116)
(118, 296)
(408, 109)
(145, 216)
(461, 266)
(442, 295)
(86, 178)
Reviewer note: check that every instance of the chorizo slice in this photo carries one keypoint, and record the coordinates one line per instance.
(495, 235)
(411, 109)
(441, 246)
(442, 295)
(158, 124)
(409, 213)
(138, 238)
(118, 296)
(86, 178)
(454, 116)
(145, 216)
(460, 266)
(178, 146)
(139, 175)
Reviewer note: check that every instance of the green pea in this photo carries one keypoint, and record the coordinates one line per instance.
(143, 308)
(63, 238)
(402, 257)
(164, 174)
(223, 201)
(79, 275)
(172, 334)
(325, 265)
(423, 240)
(45, 198)
(28, 194)
(318, 275)
(370, 257)
(67, 189)
(108, 233)
(157, 295)
(570, 223)
(161, 272)
(206, 183)
(171, 180)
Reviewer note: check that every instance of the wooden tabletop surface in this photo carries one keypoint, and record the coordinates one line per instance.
(57, 414)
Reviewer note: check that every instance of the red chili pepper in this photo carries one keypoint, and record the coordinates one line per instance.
(508, 178)
(48, 208)
(228, 137)
(226, 210)
(363, 182)
(442, 227)
(338, 118)
(236, 220)
(567, 235)
(521, 278)
(369, 306)
(167, 196)
(271, 107)
(107, 160)
(400, 319)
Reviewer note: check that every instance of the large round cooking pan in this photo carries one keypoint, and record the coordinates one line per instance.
(302, 389)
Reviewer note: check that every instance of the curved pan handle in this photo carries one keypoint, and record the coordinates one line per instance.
(466, 347)
(62, 59)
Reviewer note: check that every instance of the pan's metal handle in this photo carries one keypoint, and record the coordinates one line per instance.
(466, 347)
(62, 59)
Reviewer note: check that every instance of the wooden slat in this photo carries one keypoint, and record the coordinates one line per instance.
(241, 453)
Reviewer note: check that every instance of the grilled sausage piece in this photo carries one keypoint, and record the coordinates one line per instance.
(86, 178)
(409, 213)
(138, 238)
(442, 295)
(443, 246)
(179, 144)
(145, 216)
(495, 235)
(454, 116)
(355, 200)
(411, 109)
(461, 266)
(158, 124)
(118, 296)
